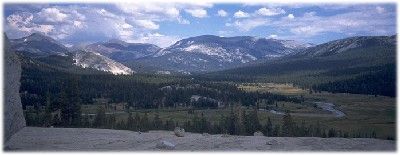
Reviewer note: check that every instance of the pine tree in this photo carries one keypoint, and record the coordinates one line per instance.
(276, 131)
(332, 133)
(65, 108)
(223, 124)
(302, 130)
(323, 134)
(268, 128)
(240, 120)
(288, 126)
(204, 124)
(157, 122)
(47, 119)
(121, 125)
(196, 123)
(136, 123)
(255, 121)
(247, 123)
(86, 123)
(111, 121)
(232, 123)
(100, 120)
(130, 123)
(318, 130)
(144, 123)
(76, 104)
(252, 123)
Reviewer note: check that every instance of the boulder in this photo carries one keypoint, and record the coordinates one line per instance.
(165, 145)
(180, 132)
(272, 142)
(14, 119)
(258, 133)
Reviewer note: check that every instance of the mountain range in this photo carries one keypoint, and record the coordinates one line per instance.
(192, 55)
(200, 54)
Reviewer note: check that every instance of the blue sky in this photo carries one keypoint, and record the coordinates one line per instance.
(165, 23)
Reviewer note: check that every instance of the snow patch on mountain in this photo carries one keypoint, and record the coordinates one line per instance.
(161, 53)
(220, 52)
(295, 44)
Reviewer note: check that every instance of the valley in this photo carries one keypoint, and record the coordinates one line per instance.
(269, 86)
(200, 76)
(364, 119)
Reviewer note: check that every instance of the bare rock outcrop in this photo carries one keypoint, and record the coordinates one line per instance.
(258, 133)
(180, 132)
(86, 139)
(13, 115)
(165, 145)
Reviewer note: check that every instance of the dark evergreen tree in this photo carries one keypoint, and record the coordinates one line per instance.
(130, 124)
(288, 125)
(100, 119)
(268, 128)
(136, 123)
(157, 122)
(145, 123)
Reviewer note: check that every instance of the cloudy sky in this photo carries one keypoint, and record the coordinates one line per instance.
(164, 23)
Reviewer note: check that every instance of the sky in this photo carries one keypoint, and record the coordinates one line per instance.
(163, 24)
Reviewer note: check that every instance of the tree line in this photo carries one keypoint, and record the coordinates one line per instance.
(237, 122)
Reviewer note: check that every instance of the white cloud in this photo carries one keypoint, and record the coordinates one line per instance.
(310, 14)
(248, 24)
(156, 12)
(78, 24)
(172, 12)
(306, 30)
(52, 15)
(106, 14)
(44, 28)
(290, 16)
(223, 33)
(270, 11)
(241, 14)
(22, 23)
(156, 38)
(183, 21)
(360, 22)
(273, 36)
(20, 20)
(198, 13)
(222, 13)
(148, 24)
(139, 21)
(380, 9)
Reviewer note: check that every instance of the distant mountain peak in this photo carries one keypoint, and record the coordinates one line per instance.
(210, 53)
(39, 36)
(346, 44)
(38, 44)
(116, 41)
(36, 34)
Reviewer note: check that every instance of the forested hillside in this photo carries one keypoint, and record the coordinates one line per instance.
(368, 68)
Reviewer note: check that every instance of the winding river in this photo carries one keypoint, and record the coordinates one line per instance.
(330, 107)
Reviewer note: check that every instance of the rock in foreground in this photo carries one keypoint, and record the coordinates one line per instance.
(180, 132)
(258, 133)
(13, 115)
(165, 145)
(83, 139)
